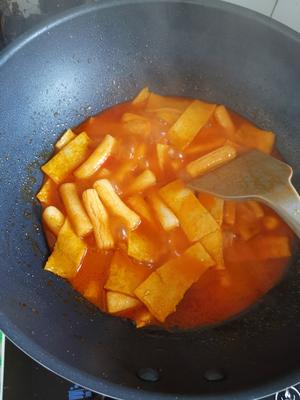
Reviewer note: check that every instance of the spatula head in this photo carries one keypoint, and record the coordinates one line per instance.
(251, 175)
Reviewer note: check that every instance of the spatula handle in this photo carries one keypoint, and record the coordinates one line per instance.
(286, 202)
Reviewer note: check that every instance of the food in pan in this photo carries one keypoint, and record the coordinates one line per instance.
(127, 233)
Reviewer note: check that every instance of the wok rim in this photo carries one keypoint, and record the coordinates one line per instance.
(26, 343)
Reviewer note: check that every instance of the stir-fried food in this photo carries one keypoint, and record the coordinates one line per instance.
(127, 232)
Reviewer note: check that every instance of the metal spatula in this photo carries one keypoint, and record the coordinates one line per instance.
(255, 176)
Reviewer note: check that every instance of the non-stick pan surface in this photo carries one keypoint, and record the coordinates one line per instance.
(79, 64)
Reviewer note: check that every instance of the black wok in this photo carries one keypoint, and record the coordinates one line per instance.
(79, 64)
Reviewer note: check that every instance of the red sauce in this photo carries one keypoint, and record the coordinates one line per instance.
(219, 294)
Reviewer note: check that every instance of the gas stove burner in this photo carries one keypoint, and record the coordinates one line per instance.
(27, 380)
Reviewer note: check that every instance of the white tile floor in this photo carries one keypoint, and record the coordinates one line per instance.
(288, 12)
(285, 11)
